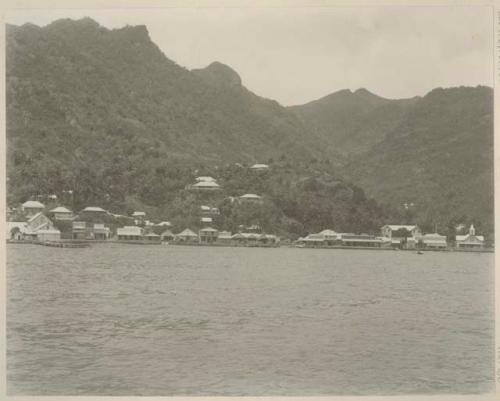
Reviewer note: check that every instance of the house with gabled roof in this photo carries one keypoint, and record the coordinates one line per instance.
(187, 236)
(37, 222)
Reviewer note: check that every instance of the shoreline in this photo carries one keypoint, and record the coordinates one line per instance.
(68, 243)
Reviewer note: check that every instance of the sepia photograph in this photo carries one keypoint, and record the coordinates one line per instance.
(290, 200)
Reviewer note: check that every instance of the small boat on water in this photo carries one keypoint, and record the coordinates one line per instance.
(420, 253)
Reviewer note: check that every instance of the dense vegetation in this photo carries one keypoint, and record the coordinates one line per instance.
(429, 159)
(102, 117)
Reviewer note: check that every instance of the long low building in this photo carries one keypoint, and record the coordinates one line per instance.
(331, 238)
(433, 241)
(129, 233)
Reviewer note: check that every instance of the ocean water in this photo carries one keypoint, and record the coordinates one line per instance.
(171, 320)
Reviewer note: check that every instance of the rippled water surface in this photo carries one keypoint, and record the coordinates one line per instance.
(172, 320)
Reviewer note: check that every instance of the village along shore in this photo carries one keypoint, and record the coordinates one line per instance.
(33, 222)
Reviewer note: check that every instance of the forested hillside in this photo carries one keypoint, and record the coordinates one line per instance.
(99, 109)
(440, 158)
(106, 115)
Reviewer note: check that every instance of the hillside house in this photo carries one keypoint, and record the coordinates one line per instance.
(259, 167)
(251, 198)
(129, 233)
(30, 208)
(470, 241)
(93, 212)
(139, 217)
(206, 221)
(61, 213)
(209, 211)
(205, 186)
(165, 224)
(205, 179)
(208, 235)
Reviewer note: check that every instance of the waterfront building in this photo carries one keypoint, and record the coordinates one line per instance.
(268, 239)
(100, 232)
(330, 237)
(30, 208)
(167, 235)
(36, 223)
(246, 238)
(224, 237)
(152, 237)
(62, 213)
(314, 239)
(16, 230)
(401, 236)
(361, 240)
(187, 236)
(208, 234)
(79, 230)
(433, 241)
(129, 233)
(470, 241)
(49, 234)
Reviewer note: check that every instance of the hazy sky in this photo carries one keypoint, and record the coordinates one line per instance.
(296, 55)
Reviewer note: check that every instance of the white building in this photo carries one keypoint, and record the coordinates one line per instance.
(433, 240)
(206, 186)
(16, 230)
(251, 198)
(205, 179)
(470, 241)
(51, 234)
(260, 167)
(129, 233)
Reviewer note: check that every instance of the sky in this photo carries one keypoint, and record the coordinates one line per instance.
(298, 54)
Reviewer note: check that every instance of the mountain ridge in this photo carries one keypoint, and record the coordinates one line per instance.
(121, 110)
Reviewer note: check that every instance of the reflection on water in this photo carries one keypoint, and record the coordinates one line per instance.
(167, 320)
